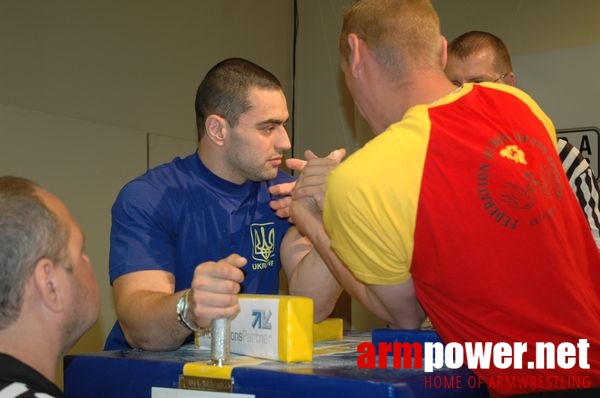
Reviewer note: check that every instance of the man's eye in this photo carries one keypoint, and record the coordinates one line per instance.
(267, 130)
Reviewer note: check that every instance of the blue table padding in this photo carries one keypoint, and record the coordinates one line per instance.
(401, 336)
(346, 380)
(333, 373)
(132, 373)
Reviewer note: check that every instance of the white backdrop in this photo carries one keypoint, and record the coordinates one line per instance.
(566, 84)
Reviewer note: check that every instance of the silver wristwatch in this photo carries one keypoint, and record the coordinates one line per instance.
(182, 313)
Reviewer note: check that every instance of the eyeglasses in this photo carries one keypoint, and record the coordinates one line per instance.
(502, 76)
(459, 83)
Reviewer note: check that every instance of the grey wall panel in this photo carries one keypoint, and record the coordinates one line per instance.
(83, 163)
(163, 149)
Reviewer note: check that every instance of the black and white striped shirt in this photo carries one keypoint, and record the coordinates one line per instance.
(584, 184)
(20, 390)
(19, 380)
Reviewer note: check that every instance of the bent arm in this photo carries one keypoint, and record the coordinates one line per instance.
(394, 304)
(146, 303)
(307, 274)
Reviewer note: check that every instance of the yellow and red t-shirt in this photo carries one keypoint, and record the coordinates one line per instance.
(468, 197)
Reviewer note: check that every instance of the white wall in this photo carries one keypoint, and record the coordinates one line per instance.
(134, 64)
(324, 108)
(525, 25)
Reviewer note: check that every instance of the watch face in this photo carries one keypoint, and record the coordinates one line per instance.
(181, 313)
(181, 306)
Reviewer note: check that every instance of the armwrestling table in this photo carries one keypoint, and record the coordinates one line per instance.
(332, 373)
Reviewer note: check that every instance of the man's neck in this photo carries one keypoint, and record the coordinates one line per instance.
(33, 347)
(422, 89)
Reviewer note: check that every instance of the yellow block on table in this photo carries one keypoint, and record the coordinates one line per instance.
(328, 329)
(273, 327)
(268, 328)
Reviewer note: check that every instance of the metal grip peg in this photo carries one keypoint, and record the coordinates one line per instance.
(220, 341)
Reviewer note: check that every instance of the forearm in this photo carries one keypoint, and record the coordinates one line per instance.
(307, 275)
(395, 304)
(312, 278)
(149, 321)
(406, 312)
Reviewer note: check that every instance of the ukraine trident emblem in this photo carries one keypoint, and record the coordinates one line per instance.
(263, 241)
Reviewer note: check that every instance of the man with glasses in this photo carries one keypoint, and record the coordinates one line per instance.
(476, 57)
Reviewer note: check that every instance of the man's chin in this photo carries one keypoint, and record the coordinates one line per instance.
(265, 176)
(270, 174)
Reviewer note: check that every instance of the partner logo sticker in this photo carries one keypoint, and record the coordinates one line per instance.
(262, 319)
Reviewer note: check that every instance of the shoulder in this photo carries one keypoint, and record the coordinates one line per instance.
(520, 95)
(395, 152)
(158, 183)
(138, 193)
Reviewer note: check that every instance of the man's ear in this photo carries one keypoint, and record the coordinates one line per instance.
(355, 56)
(47, 284)
(444, 53)
(216, 129)
(510, 79)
